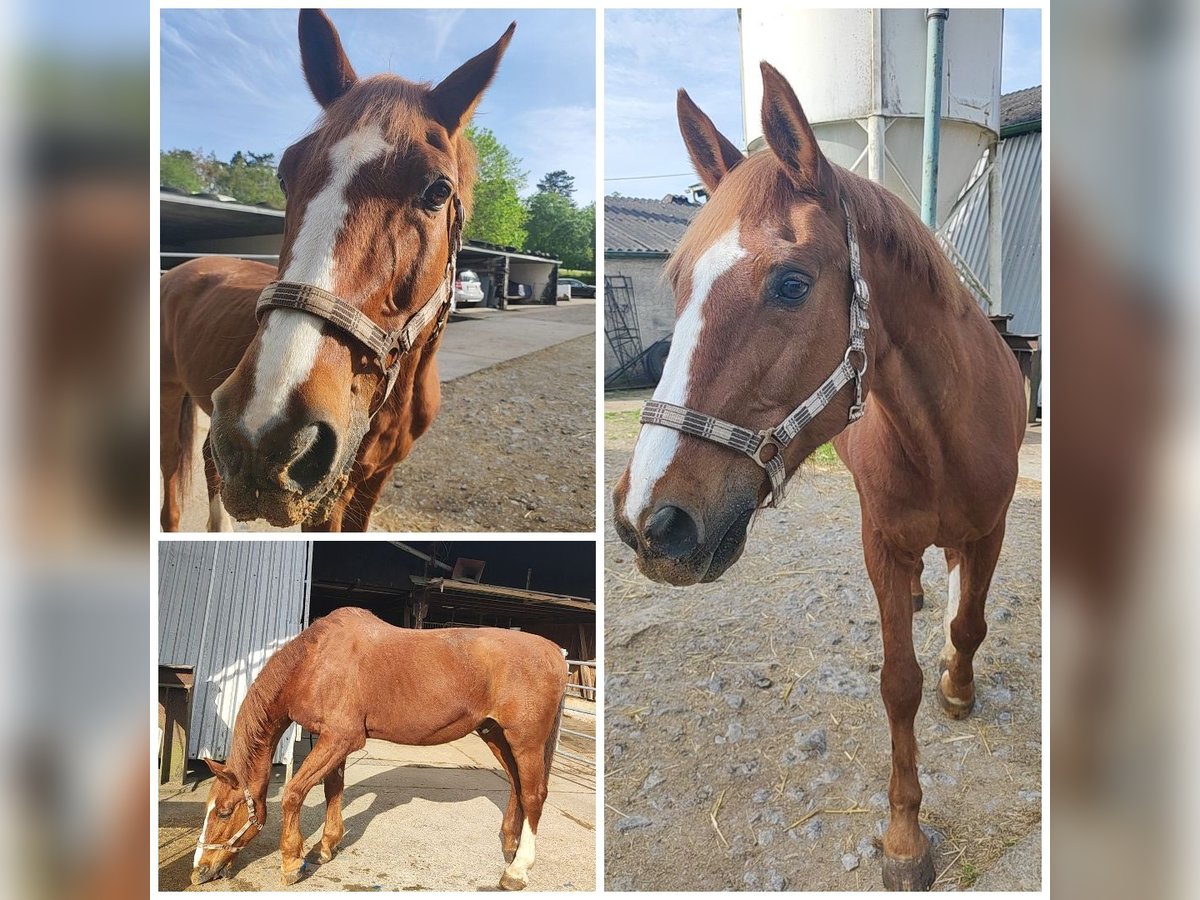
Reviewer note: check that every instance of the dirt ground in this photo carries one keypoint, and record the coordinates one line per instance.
(747, 745)
(513, 449)
(417, 818)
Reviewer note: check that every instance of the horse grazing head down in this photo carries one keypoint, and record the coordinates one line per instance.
(762, 296)
(231, 819)
(376, 194)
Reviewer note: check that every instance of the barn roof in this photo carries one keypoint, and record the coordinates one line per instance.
(633, 225)
(1021, 109)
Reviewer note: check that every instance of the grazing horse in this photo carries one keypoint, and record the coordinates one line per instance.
(320, 375)
(351, 676)
(813, 305)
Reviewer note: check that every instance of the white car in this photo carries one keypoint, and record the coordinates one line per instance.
(468, 290)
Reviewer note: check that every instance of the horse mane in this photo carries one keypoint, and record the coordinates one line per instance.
(888, 227)
(400, 108)
(253, 728)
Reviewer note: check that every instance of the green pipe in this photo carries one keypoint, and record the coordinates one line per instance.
(935, 44)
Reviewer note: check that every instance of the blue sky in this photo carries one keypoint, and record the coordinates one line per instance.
(231, 79)
(651, 53)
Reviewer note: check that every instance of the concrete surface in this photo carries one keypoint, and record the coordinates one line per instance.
(417, 818)
(478, 338)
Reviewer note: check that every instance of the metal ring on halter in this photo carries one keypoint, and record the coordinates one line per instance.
(767, 438)
(859, 372)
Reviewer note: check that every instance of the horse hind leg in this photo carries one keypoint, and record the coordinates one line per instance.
(335, 827)
(970, 576)
(916, 588)
(530, 756)
(172, 455)
(510, 825)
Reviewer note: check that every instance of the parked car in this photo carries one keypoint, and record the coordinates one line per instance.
(468, 290)
(578, 288)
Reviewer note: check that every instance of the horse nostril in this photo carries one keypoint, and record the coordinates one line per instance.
(672, 532)
(315, 460)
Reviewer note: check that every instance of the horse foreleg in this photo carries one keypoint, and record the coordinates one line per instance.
(331, 835)
(218, 519)
(907, 861)
(970, 576)
(510, 825)
(530, 757)
(171, 453)
(329, 753)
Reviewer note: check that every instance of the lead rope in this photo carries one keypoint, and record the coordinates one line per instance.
(766, 447)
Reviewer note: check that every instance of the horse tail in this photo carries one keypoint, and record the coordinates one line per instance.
(187, 440)
(552, 740)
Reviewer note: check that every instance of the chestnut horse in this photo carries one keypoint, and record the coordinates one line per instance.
(351, 676)
(793, 270)
(317, 393)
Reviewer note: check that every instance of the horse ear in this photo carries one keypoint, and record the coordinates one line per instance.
(454, 100)
(788, 133)
(713, 154)
(326, 68)
(221, 771)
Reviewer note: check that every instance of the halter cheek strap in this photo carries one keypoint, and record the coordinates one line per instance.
(766, 447)
(231, 844)
(387, 347)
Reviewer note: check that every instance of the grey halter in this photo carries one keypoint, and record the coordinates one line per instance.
(388, 347)
(231, 844)
(766, 447)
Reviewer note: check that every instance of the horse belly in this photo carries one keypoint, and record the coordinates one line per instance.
(423, 726)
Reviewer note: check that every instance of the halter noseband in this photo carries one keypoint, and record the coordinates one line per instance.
(766, 447)
(231, 844)
(388, 347)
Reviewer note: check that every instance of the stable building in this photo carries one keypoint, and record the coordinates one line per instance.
(193, 225)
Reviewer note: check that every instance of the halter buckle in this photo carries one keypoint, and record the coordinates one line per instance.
(767, 439)
(856, 408)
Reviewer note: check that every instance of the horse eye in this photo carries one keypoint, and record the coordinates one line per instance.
(793, 287)
(282, 183)
(224, 813)
(438, 193)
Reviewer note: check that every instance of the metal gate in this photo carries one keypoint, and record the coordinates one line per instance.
(587, 694)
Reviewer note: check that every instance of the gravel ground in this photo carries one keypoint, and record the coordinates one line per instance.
(513, 449)
(747, 745)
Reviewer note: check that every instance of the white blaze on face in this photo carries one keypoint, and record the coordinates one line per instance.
(656, 444)
(203, 834)
(288, 345)
(519, 867)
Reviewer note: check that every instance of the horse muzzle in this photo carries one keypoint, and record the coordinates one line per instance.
(675, 547)
(204, 874)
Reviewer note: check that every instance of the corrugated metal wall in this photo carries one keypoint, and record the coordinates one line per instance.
(1021, 187)
(224, 608)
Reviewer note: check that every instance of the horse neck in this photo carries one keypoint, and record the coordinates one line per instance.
(260, 724)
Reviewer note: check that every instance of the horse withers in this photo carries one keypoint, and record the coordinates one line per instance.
(812, 305)
(350, 676)
(320, 375)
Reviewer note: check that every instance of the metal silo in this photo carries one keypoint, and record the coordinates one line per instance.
(861, 77)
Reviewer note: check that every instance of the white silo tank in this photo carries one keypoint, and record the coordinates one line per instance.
(860, 76)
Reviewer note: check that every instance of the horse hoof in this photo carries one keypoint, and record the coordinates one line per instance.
(908, 874)
(510, 855)
(955, 707)
(918, 602)
(290, 878)
(326, 855)
(509, 883)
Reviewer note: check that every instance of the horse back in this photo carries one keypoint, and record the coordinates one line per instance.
(208, 321)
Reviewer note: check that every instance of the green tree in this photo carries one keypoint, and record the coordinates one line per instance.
(498, 216)
(179, 169)
(250, 178)
(560, 229)
(558, 182)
